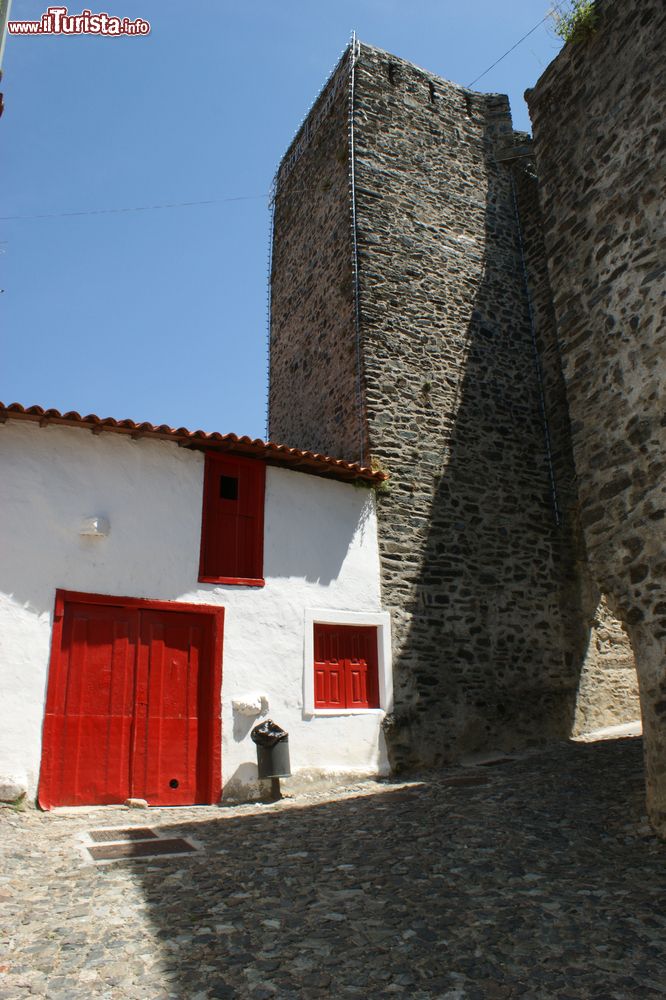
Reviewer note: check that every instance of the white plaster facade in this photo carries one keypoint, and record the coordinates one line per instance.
(320, 554)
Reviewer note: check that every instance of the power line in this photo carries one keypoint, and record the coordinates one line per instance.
(530, 32)
(221, 201)
(134, 208)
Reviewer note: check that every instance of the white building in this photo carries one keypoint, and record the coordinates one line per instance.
(162, 591)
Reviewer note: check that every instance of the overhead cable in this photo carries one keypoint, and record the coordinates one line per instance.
(133, 208)
(515, 46)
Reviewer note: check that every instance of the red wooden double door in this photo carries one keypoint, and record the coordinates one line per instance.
(133, 705)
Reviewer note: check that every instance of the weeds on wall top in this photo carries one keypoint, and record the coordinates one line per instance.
(381, 488)
(578, 22)
(377, 465)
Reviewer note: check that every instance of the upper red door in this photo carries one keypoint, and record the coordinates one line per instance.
(131, 708)
(232, 533)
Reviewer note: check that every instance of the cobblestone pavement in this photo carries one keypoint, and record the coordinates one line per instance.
(539, 880)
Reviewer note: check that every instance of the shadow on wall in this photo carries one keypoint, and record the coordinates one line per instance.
(243, 785)
(497, 631)
(416, 887)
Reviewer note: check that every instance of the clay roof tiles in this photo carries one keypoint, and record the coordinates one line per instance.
(269, 451)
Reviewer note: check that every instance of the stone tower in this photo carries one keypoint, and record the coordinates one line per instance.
(411, 325)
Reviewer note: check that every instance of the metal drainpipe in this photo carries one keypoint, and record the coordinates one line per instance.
(268, 307)
(354, 49)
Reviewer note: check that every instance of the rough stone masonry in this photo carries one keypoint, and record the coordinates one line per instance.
(598, 116)
(412, 323)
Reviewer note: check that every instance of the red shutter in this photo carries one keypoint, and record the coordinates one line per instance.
(330, 686)
(345, 667)
(232, 534)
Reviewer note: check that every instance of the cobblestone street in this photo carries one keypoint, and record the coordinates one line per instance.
(536, 878)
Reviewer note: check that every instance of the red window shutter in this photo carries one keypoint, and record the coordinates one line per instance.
(345, 667)
(330, 685)
(232, 539)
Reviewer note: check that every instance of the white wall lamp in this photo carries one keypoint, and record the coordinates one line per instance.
(95, 527)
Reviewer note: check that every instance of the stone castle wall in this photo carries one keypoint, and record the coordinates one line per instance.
(607, 688)
(598, 129)
(314, 384)
(472, 551)
(444, 363)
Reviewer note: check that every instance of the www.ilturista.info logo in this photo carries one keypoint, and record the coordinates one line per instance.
(58, 21)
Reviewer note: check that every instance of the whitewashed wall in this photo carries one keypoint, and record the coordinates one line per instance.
(320, 552)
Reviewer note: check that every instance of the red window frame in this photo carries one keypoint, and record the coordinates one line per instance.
(232, 529)
(346, 667)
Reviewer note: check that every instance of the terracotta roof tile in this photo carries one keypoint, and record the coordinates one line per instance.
(269, 451)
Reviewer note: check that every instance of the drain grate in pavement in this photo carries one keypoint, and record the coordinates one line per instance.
(131, 833)
(140, 849)
(128, 843)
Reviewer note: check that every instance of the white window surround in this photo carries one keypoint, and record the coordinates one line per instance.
(382, 621)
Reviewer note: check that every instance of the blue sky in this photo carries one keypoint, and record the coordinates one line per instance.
(161, 315)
